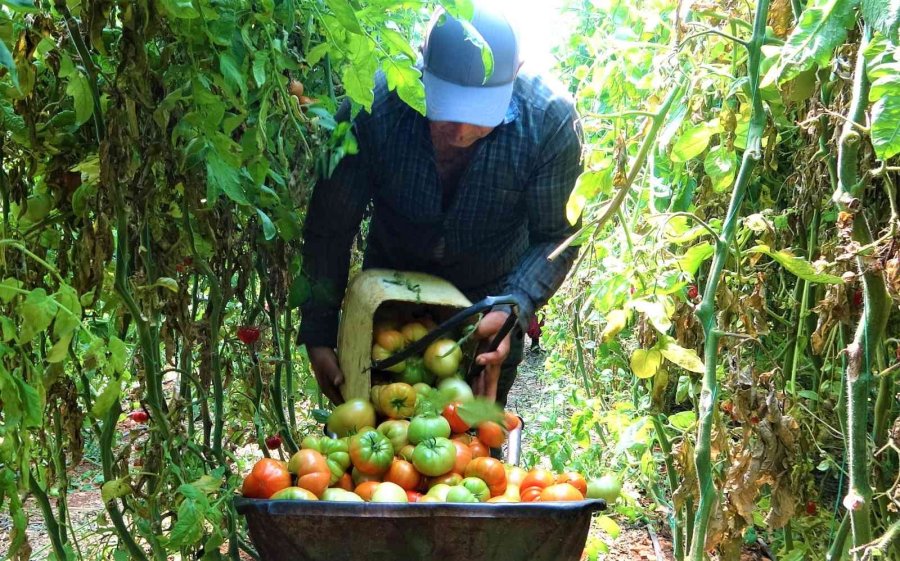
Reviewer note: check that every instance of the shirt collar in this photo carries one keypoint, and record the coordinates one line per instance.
(512, 112)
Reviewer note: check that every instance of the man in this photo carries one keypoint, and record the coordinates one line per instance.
(475, 193)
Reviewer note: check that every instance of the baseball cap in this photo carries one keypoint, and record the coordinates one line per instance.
(454, 74)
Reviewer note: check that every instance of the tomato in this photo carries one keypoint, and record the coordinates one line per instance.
(490, 471)
(423, 427)
(530, 495)
(560, 492)
(501, 499)
(335, 450)
(511, 420)
(413, 372)
(422, 388)
(351, 417)
(341, 496)
(371, 452)
(450, 479)
(273, 442)
(295, 87)
(312, 470)
(379, 353)
(413, 331)
(397, 400)
(294, 493)
(515, 475)
(366, 489)
(512, 492)
(491, 434)
(457, 425)
(479, 450)
(139, 416)
(442, 357)
(607, 488)
(811, 508)
(463, 437)
(360, 477)
(463, 456)
(267, 477)
(413, 496)
(427, 499)
(407, 451)
(390, 340)
(439, 492)
(460, 494)
(403, 474)
(574, 479)
(478, 488)
(345, 483)
(248, 334)
(434, 456)
(693, 292)
(538, 478)
(456, 389)
(388, 492)
(396, 431)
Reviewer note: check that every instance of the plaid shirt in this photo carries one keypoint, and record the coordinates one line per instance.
(506, 217)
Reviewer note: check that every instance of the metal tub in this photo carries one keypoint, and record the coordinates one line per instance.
(332, 531)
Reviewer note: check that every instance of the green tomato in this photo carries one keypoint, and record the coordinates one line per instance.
(371, 452)
(388, 492)
(421, 389)
(427, 426)
(478, 488)
(439, 492)
(341, 496)
(443, 357)
(607, 488)
(396, 431)
(415, 373)
(459, 494)
(335, 450)
(434, 456)
(456, 389)
(351, 417)
(294, 493)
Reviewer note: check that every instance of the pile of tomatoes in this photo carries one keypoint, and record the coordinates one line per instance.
(410, 443)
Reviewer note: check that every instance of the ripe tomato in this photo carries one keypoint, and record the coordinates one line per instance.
(390, 340)
(442, 357)
(397, 400)
(423, 427)
(530, 495)
(366, 488)
(511, 420)
(351, 417)
(463, 456)
(312, 471)
(811, 508)
(457, 425)
(463, 437)
(490, 471)
(450, 479)
(434, 456)
(693, 292)
(345, 482)
(413, 331)
(479, 450)
(273, 442)
(491, 434)
(295, 87)
(560, 492)
(267, 477)
(139, 416)
(538, 478)
(403, 474)
(574, 479)
(413, 496)
(371, 452)
(248, 334)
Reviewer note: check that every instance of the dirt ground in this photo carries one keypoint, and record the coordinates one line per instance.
(635, 543)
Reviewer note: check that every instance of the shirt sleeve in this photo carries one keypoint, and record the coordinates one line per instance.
(536, 278)
(332, 221)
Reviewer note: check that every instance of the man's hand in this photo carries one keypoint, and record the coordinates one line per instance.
(488, 327)
(328, 373)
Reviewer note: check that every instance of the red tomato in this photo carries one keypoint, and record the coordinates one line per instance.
(530, 495)
(466, 438)
(511, 420)
(574, 479)
(560, 492)
(457, 425)
(463, 456)
(539, 478)
(273, 442)
(413, 496)
(313, 473)
(267, 477)
(490, 471)
(811, 508)
(491, 434)
(479, 450)
(248, 334)
(403, 474)
(693, 292)
(366, 489)
(139, 416)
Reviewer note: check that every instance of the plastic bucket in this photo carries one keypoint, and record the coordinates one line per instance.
(332, 531)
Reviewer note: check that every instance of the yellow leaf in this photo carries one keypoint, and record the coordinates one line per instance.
(645, 363)
(615, 322)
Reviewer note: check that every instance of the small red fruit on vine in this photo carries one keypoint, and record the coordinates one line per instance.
(248, 334)
(692, 292)
(273, 442)
(811, 508)
(858, 299)
(754, 420)
(139, 416)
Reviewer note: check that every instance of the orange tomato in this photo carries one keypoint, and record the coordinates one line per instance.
(345, 482)
(267, 477)
(313, 473)
(390, 340)
(450, 479)
(491, 434)
(366, 489)
(463, 456)
(457, 425)
(463, 437)
(531, 494)
(538, 478)
(403, 474)
(413, 496)
(574, 479)
(560, 492)
(479, 450)
(511, 420)
(491, 472)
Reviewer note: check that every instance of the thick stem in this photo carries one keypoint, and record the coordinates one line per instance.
(57, 538)
(706, 310)
(836, 551)
(676, 522)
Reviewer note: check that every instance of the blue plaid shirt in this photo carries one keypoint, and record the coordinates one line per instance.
(506, 217)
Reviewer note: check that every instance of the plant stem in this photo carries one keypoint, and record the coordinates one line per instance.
(836, 551)
(706, 310)
(677, 518)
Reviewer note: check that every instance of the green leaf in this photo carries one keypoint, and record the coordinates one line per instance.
(181, 9)
(797, 266)
(345, 14)
(685, 358)
(23, 6)
(478, 411)
(821, 29)
(118, 354)
(886, 122)
(683, 390)
(405, 78)
(883, 16)
(231, 70)
(68, 317)
(487, 56)
(398, 43)
(695, 256)
(645, 363)
(683, 419)
(7, 329)
(60, 349)
(260, 60)
(268, 227)
(80, 90)
(223, 178)
(658, 311)
(188, 528)
(37, 312)
(6, 295)
(316, 53)
(721, 165)
(300, 291)
(168, 283)
(115, 489)
(6, 60)
(106, 399)
(692, 142)
(359, 85)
